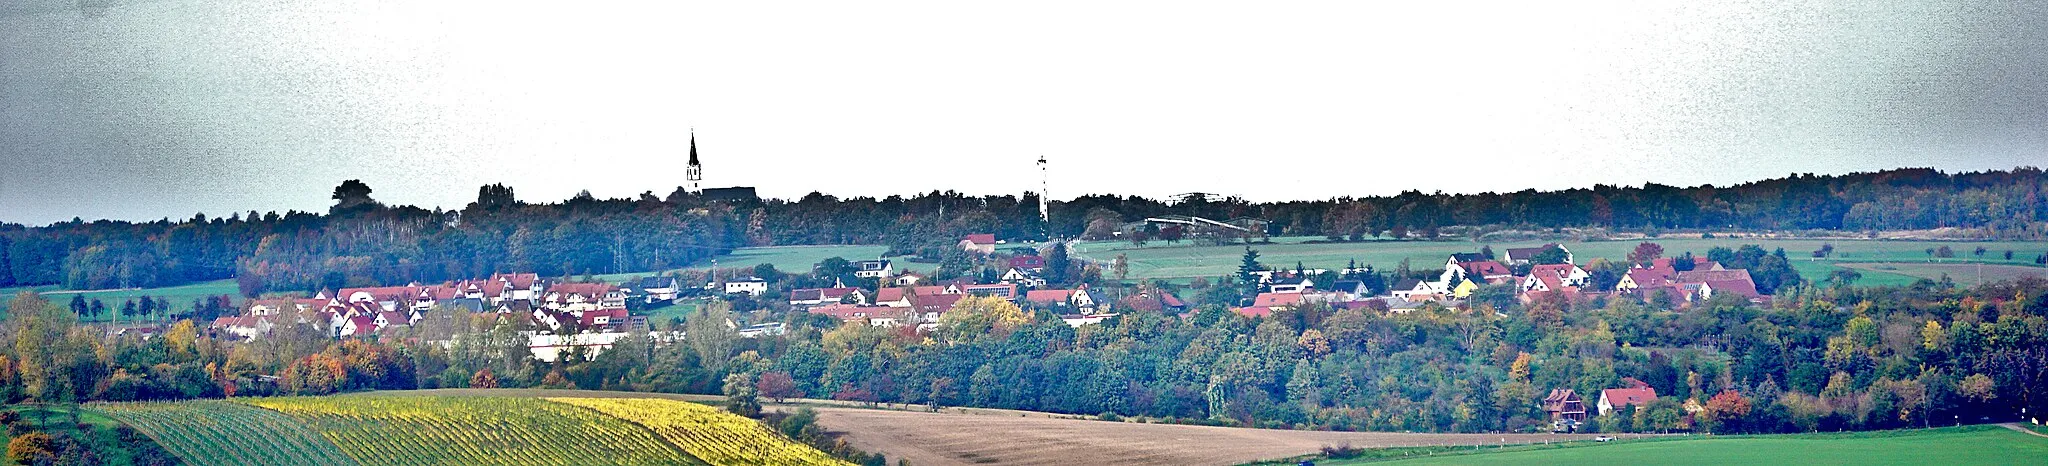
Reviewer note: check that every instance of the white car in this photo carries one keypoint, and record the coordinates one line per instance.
(1603, 438)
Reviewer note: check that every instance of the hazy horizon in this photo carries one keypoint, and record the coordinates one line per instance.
(154, 109)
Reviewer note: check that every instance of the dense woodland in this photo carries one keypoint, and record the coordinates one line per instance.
(361, 241)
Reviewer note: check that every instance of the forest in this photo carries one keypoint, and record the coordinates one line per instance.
(361, 241)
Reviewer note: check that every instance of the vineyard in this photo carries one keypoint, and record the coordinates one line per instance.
(406, 431)
(705, 432)
(210, 432)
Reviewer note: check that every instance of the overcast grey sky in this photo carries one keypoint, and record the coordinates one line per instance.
(141, 110)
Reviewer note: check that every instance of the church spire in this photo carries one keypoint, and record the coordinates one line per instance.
(696, 170)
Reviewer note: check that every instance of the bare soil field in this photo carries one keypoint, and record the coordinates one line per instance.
(992, 437)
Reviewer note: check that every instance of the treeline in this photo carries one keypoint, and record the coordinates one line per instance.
(2005, 204)
(360, 241)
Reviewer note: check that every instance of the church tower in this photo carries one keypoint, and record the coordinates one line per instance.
(696, 169)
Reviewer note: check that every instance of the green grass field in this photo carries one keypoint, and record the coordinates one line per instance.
(1159, 260)
(180, 297)
(785, 258)
(1962, 445)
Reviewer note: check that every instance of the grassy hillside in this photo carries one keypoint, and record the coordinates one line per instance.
(213, 432)
(413, 430)
(1966, 445)
(785, 258)
(1184, 261)
(180, 297)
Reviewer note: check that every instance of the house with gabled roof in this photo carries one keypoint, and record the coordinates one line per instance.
(905, 296)
(1563, 404)
(1007, 291)
(1417, 290)
(1519, 256)
(979, 243)
(1640, 278)
(879, 316)
(1032, 262)
(1078, 298)
(929, 307)
(808, 297)
(659, 288)
(1613, 399)
(1023, 277)
(1482, 271)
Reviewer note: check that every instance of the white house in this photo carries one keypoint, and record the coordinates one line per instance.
(1023, 277)
(658, 289)
(1292, 285)
(872, 269)
(750, 286)
(549, 347)
(1553, 277)
(1416, 290)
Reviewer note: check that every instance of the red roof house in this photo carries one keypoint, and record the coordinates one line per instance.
(1614, 398)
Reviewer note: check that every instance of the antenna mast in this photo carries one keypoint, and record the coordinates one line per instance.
(1044, 184)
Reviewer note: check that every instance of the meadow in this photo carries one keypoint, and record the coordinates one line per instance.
(1955, 445)
(784, 258)
(180, 297)
(1158, 260)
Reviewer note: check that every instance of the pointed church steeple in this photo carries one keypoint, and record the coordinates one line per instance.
(696, 170)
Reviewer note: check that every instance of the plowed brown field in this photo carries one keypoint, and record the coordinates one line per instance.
(999, 437)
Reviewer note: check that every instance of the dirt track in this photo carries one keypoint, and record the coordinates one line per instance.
(929, 439)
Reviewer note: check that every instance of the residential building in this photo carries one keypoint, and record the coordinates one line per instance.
(979, 243)
(1614, 398)
(876, 269)
(750, 286)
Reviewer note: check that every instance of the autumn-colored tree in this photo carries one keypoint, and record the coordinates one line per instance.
(32, 448)
(1725, 411)
(483, 379)
(777, 386)
(1312, 344)
(1978, 387)
(1646, 252)
(975, 316)
(556, 380)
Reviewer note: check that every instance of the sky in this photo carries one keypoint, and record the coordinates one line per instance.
(138, 110)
